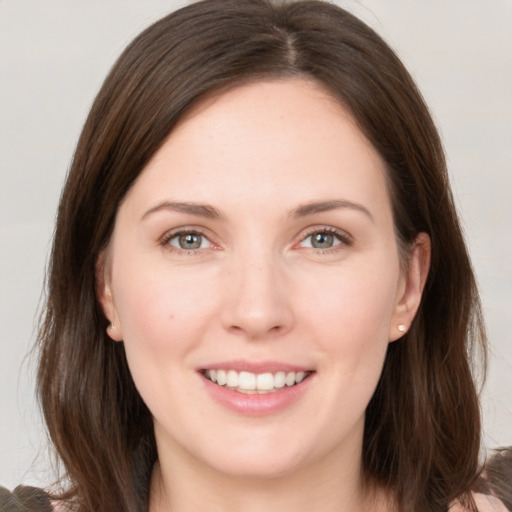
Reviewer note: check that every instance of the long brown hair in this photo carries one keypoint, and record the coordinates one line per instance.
(422, 431)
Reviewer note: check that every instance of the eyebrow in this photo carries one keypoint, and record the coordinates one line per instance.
(201, 210)
(210, 212)
(325, 206)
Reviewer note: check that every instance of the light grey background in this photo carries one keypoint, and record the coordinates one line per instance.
(54, 55)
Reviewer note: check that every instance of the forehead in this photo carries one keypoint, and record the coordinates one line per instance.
(284, 140)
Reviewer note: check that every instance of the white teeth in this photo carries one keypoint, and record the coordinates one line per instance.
(247, 382)
(300, 377)
(232, 379)
(279, 379)
(265, 381)
(221, 378)
(290, 379)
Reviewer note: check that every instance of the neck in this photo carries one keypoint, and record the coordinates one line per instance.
(317, 488)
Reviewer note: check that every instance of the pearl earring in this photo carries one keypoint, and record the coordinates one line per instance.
(401, 328)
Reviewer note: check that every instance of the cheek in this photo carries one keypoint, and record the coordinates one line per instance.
(349, 317)
(161, 312)
(353, 301)
(163, 319)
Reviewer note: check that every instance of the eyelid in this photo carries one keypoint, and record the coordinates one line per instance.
(345, 238)
(182, 230)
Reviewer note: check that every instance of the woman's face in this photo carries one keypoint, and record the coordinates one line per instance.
(257, 250)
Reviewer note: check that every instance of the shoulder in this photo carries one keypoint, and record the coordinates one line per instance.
(25, 499)
(483, 502)
(487, 503)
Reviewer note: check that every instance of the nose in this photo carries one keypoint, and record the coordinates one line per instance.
(257, 301)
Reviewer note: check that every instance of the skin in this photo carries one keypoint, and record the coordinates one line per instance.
(484, 503)
(258, 290)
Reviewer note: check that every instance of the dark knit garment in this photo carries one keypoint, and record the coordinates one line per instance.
(24, 499)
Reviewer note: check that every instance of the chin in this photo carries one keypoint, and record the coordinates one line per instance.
(262, 457)
(258, 468)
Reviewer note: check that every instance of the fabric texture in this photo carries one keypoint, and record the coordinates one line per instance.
(24, 499)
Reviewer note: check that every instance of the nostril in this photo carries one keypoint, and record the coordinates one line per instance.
(257, 331)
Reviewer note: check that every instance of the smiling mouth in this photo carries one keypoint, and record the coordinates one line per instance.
(255, 384)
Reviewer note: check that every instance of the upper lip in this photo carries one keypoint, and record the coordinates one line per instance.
(256, 367)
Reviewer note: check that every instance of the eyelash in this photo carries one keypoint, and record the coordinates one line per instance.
(344, 238)
(165, 241)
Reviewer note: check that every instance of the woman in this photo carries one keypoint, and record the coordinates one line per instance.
(250, 300)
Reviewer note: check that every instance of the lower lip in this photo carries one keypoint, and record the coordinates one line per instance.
(257, 405)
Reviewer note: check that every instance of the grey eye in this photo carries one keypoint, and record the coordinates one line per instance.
(188, 241)
(322, 240)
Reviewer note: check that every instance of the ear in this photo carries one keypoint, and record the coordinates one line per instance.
(105, 298)
(411, 287)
